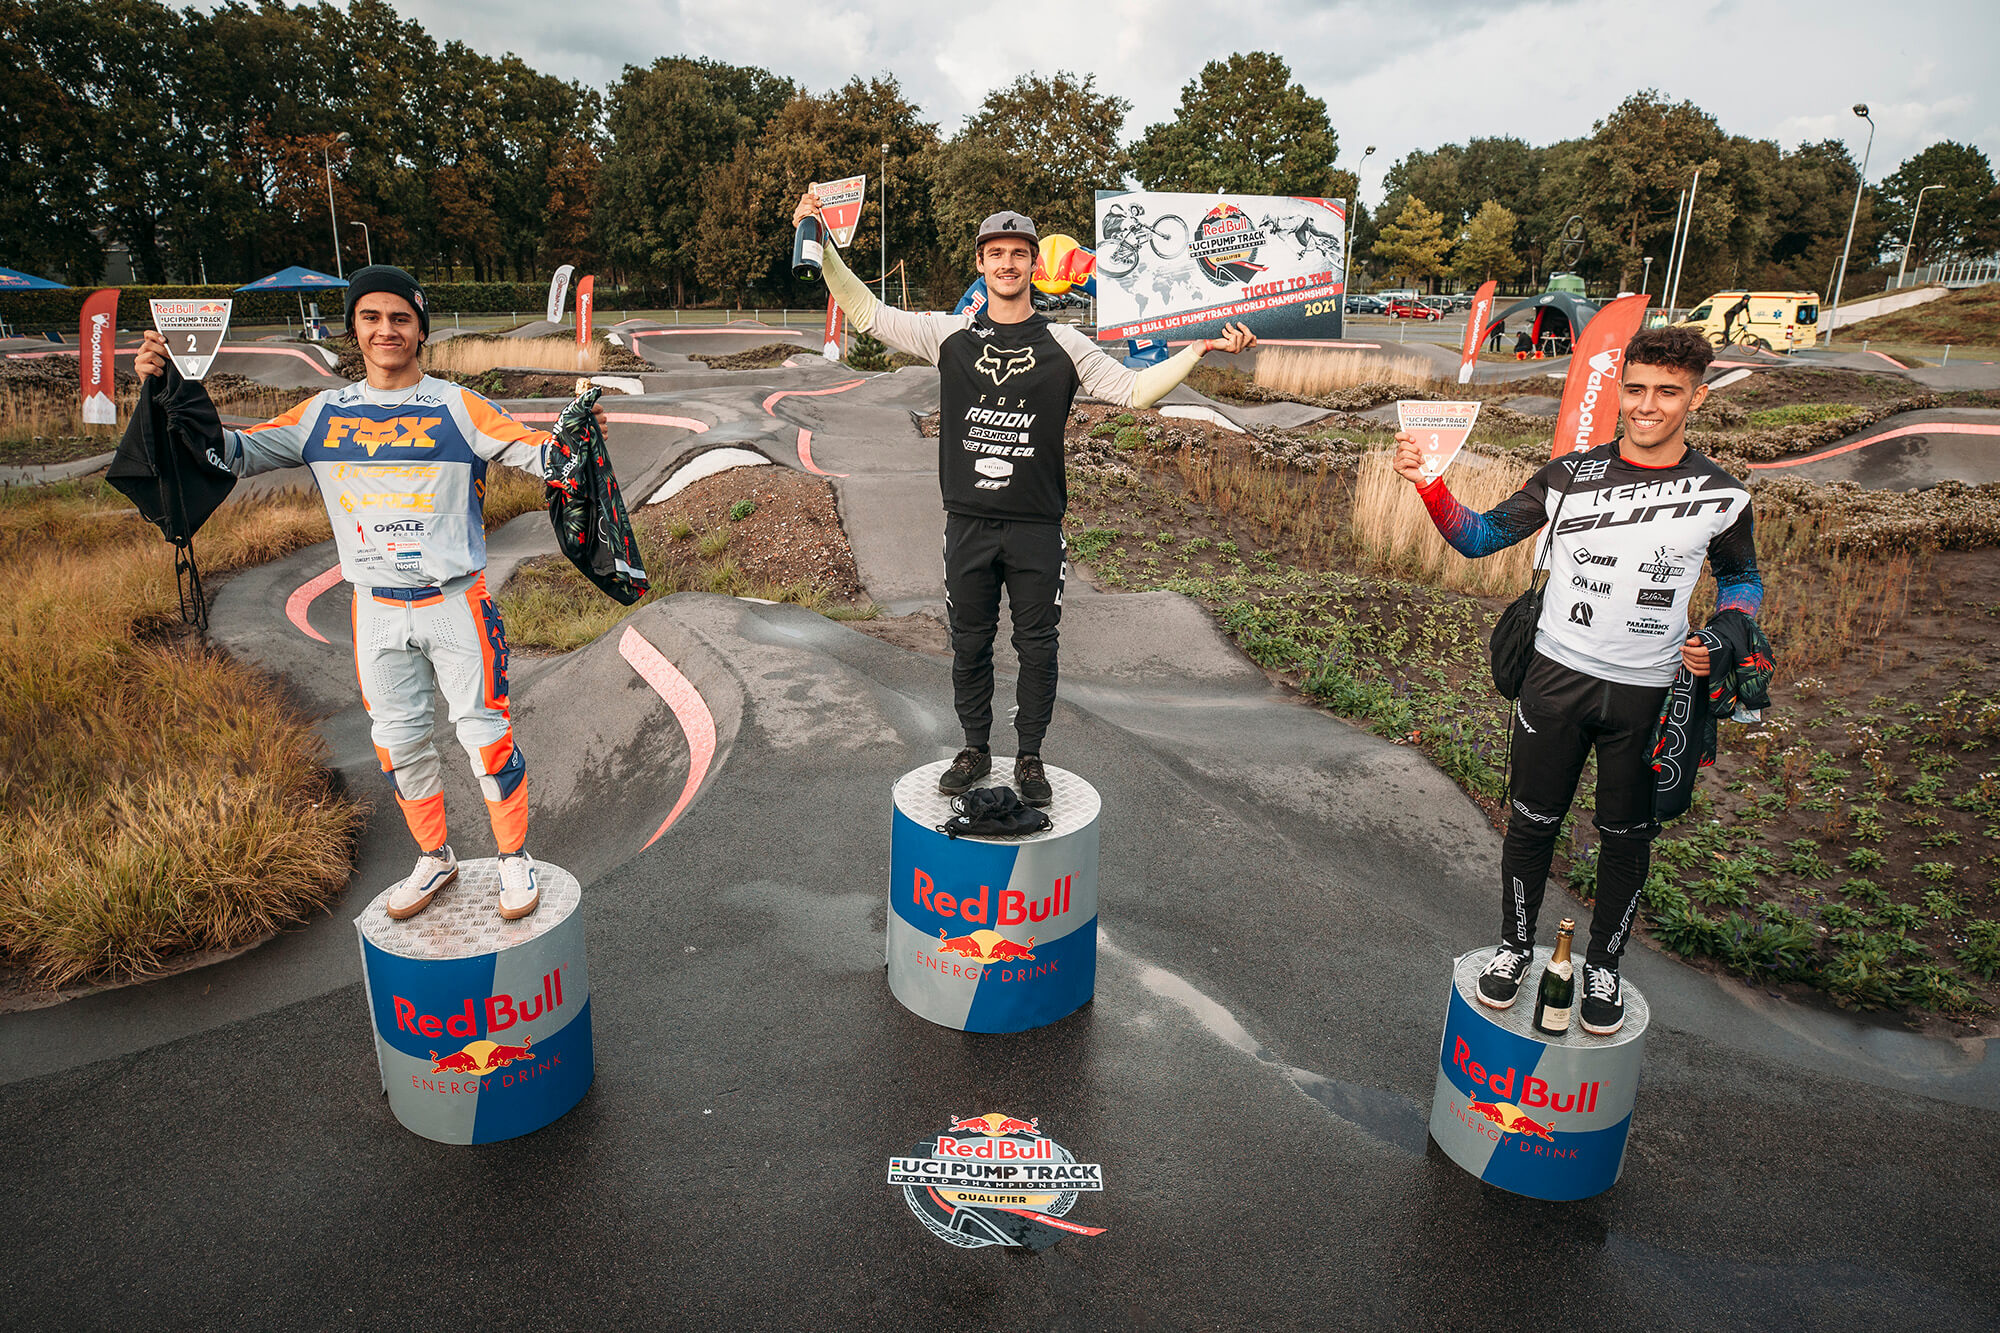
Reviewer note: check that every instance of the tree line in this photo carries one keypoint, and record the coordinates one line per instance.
(206, 142)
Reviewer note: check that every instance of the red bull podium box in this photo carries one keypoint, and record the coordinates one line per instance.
(482, 1026)
(1537, 1115)
(992, 934)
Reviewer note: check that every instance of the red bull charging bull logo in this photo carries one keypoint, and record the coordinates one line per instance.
(995, 1179)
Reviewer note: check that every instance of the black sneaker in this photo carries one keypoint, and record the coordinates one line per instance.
(1603, 1004)
(1500, 983)
(1031, 781)
(970, 766)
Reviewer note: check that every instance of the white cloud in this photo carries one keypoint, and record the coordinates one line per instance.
(1401, 76)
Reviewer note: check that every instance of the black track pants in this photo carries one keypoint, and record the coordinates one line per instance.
(981, 555)
(1560, 716)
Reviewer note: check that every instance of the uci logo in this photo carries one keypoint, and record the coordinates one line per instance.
(1001, 364)
(401, 433)
(1579, 614)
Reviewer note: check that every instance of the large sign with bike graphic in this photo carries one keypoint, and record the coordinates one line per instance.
(1179, 266)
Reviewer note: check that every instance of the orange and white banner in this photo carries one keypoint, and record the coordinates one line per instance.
(586, 295)
(1440, 428)
(1475, 328)
(840, 206)
(830, 346)
(1589, 411)
(96, 339)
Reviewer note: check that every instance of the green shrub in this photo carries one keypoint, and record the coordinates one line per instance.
(741, 510)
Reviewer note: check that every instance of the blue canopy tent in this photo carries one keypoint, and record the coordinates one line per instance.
(295, 279)
(10, 281)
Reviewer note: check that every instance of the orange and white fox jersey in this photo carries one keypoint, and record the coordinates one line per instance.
(402, 471)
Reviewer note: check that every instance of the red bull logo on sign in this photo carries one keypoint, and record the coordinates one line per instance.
(1011, 1185)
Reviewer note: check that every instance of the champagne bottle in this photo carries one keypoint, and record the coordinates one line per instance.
(1557, 996)
(808, 245)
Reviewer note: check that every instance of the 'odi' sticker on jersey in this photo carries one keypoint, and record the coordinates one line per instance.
(1440, 429)
(193, 330)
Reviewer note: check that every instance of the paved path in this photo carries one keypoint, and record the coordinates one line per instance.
(1281, 897)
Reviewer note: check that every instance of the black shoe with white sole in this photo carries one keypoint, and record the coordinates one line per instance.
(1032, 781)
(1500, 983)
(1603, 1002)
(970, 766)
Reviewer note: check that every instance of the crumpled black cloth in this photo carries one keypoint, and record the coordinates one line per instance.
(992, 812)
(169, 462)
(1684, 739)
(592, 526)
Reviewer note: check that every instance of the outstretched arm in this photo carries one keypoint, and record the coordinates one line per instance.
(916, 335)
(1470, 533)
(1105, 379)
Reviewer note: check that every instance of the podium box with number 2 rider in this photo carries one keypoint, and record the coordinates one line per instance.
(1007, 380)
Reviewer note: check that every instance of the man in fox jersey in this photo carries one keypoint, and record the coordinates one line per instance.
(401, 462)
(1638, 517)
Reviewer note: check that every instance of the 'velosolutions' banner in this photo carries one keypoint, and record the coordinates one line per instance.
(585, 293)
(96, 339)
(1589, 411)
(840, 206)
(1178, 266)
(1475, 328)
(559, 292)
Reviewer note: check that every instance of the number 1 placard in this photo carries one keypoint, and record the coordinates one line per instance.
(193, 330)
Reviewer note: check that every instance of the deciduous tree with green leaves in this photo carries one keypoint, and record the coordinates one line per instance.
(1414, 246)
(1244, 127)
(1486, 248)
(1959, 220)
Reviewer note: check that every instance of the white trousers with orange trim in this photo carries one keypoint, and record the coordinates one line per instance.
(409, 643)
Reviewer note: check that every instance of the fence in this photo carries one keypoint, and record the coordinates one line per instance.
(1960, 273)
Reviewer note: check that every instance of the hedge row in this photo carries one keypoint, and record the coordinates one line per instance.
(62, 310)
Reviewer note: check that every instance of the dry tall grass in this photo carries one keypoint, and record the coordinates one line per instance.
(1392, 528)
(155, 797)
(1313, 372)
(473, 356)
(1293, 504)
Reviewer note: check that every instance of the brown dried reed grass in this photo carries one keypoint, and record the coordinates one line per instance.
(1313, 372)
(1393, 529)
(474, 356)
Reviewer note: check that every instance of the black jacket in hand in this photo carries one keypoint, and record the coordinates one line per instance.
(585, 505)
(1740, 667)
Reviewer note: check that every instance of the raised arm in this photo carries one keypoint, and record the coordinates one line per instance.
(277, 443)
(912, 334)
(1105, 379)
(1470, 533)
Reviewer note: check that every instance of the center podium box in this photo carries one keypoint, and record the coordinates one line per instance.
(992, 934)
(482, 1025)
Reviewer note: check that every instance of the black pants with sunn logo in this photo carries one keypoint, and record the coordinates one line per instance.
(1030, 560)
(1560, 717)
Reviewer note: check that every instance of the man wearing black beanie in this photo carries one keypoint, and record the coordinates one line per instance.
(401, 462)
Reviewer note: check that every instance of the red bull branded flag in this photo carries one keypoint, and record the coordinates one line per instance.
(1475, 328)
(96, 339)
(1589, 412)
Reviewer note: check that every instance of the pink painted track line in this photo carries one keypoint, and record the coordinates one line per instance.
(689, 709)
(319, 366)
(302, 598)
(808, 393)
(1285, 342)
(1923, 428)
(765, 332)
(806, 455)
(623, 418)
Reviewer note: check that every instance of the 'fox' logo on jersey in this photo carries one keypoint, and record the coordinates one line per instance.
(1001, 364)
(397, 433)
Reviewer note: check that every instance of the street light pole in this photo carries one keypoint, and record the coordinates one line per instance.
(884, 210)
(1910, 240)
(1347, 229)
(1646, 282)
(366, 240)
(1833, 316)
(326, 158)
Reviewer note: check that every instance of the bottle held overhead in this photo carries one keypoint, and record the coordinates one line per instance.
(1556, 999)
(808, 248)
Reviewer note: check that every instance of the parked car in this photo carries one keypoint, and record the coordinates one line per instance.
(1363, 304)
(1413, 310)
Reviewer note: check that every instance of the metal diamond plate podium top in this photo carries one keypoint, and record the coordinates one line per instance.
(1073, 803)
(464, 920)
(1520, 1020)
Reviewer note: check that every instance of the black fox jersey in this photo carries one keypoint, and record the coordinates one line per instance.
(1625, 556)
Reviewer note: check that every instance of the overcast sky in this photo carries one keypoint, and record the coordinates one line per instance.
(1400, 76)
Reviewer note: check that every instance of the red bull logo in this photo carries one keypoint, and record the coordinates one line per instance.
(477, 1061)
(212, 308)
(1014, 909)
(1534, 1092)
(499, 1012)
(995, 1125)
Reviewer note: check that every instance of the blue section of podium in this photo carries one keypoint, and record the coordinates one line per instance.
(992, 934)
(1547, 1117)
(482, 1026)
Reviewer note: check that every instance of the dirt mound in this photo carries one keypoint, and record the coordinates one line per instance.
(757, 358)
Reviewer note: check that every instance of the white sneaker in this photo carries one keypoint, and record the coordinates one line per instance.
(519, 894)
(433, 872)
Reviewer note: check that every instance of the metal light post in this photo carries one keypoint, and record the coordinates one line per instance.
(1347, 229)
(1646, 282)
(326, 157)
(884, 210)
(366, 240)
(1833, 317)
(1910, 240)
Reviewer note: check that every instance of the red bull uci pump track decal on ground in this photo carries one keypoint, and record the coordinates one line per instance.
(995, 1179)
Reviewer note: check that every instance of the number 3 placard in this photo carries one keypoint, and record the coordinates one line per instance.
(193, 330)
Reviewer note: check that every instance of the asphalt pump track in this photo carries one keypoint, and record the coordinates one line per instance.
(1281, 898)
